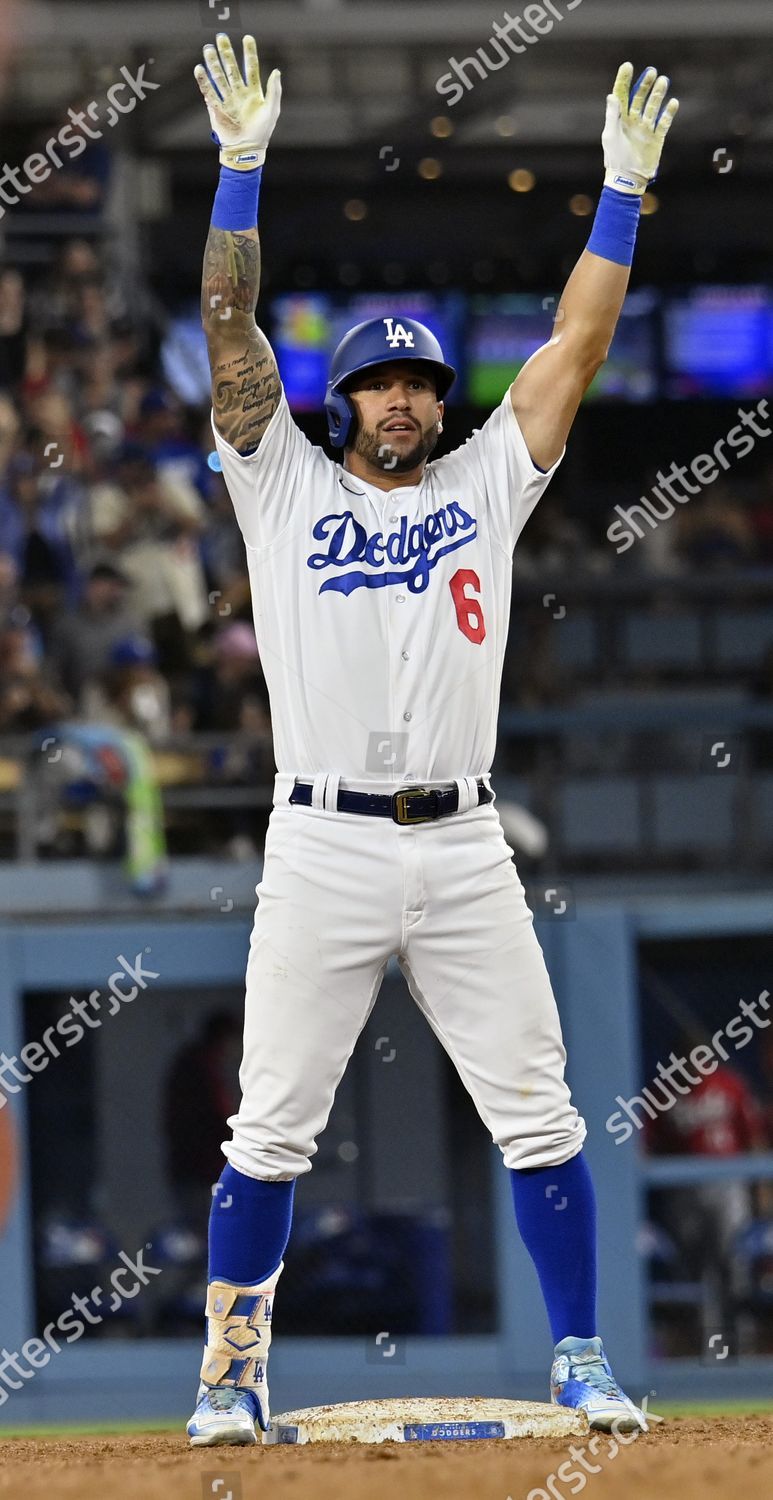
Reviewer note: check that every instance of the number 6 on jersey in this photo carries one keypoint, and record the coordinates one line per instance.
(469, 612)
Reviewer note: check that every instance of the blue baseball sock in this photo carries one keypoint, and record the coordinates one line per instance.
(555, 1209)
(248, 1235)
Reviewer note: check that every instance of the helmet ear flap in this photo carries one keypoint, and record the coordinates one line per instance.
(340, 417)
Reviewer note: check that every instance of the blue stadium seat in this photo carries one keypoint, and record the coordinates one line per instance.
(694, 812)
(763, 807)
(743, 636)
(699, 695)
(599, 815)
(668, 640)
(513, 789)
(575, 640)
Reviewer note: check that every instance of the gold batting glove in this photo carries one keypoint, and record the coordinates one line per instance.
(241, 115)
(635, 128)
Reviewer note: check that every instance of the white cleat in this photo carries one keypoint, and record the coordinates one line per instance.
(223, 1415)
(581, 1379)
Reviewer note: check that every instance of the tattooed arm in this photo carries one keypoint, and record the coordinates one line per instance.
(245, 379)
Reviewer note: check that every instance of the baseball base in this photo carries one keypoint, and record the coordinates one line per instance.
(420, 1420)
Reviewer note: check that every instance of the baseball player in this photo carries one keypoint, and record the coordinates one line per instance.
(381, 592)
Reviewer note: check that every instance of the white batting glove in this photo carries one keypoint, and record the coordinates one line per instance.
(635, 129)
(242, 116)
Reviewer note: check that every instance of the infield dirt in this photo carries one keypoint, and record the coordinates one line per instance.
(718, 1458)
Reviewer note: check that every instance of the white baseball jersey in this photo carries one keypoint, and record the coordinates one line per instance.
(381, 616)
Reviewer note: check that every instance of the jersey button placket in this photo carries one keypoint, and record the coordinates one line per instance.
(405, 655)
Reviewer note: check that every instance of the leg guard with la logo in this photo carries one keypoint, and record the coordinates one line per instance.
(238, 1339)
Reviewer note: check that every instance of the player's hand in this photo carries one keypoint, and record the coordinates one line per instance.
(242, 116)
(636, 126)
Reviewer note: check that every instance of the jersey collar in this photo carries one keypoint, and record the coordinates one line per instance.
(356, 486)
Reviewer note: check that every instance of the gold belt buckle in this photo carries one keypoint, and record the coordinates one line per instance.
(401, 805)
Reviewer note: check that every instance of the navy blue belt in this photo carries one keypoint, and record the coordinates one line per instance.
(412, 804)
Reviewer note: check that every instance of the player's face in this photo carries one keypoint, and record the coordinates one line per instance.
(397, 416)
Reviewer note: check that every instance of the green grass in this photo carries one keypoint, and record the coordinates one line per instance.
(710, 1408)
(94, 1429)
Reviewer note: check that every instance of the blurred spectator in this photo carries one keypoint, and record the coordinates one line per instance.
(532, 677)
(13, 329)
(152, 523)
(10, 425)
(9, 582)
(714, 531)
(552, 542)
(81, 183)
(92, 313)
(231, 696)
(28, 700)
(56, 300)
(92, 332)
(130, 693)
(223, 553)
(655, 552)
(160, 431)
(201, 1091)
(83, 640)
(761, 520)
(55, 362)
(720, 1116)
(101, 398)
(766, 1070)
(17, 486)
(104, 431)
(234, 694)
(761, 740)
(39, 519)
(61, 438)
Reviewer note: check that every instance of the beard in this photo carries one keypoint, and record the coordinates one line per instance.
(377, 450)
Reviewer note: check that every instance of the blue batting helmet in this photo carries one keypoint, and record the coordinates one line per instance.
(373, 343)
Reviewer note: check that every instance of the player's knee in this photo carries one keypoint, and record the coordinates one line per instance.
(269, 1158)
(549, 1149)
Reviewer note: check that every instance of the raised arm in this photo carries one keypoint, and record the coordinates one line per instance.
(548, 390)
(245, 379)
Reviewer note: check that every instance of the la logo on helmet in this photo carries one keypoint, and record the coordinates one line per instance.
(397, 335)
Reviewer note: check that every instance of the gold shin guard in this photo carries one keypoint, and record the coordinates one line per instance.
(238, 1338)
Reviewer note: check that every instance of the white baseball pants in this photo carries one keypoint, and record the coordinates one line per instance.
(340, 894)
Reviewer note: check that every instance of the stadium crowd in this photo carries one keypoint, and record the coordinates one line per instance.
(123, 590)
(123, 596)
